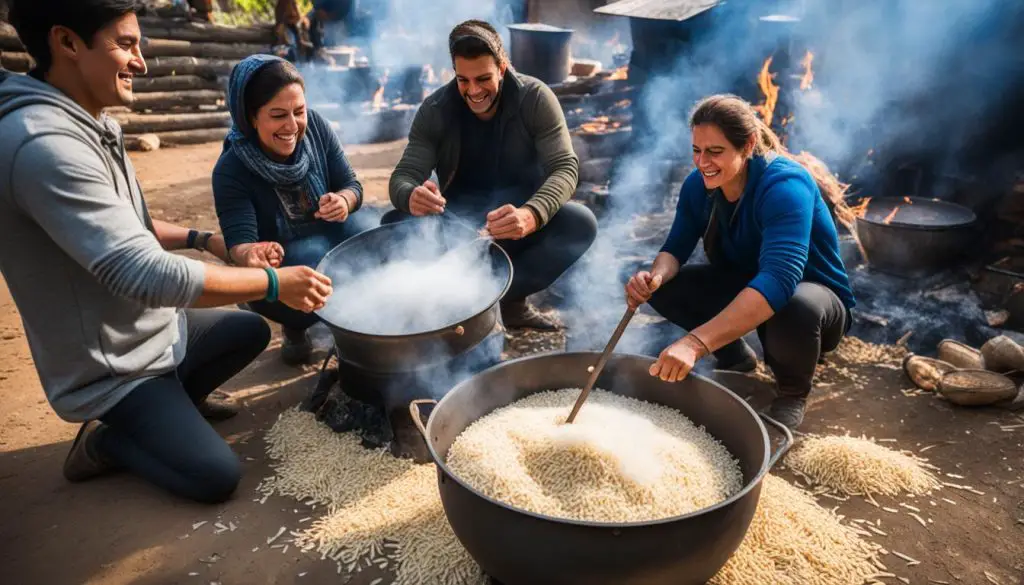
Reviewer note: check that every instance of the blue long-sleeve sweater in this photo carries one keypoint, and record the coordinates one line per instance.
(781, 231)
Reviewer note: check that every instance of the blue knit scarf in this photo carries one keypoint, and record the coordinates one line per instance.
(307, 166)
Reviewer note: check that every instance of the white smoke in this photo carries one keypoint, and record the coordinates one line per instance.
(426, 279)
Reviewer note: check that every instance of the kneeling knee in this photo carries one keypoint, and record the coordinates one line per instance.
(580, 225)
(217, 479)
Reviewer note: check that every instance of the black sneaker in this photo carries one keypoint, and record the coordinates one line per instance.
(523, 315)
(297, 348)
(83, 462)
(788, 410)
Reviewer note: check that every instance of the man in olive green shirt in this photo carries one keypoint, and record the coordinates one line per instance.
(501, 149)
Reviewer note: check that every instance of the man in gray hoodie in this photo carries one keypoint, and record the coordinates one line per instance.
(117, 324)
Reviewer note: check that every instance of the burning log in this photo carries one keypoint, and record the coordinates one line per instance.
(174, 48)
(178, 138)
(147, 123)
(201, 66)
(177, 99)
(176, 83)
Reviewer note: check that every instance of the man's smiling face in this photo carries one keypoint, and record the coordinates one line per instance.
(479, 81)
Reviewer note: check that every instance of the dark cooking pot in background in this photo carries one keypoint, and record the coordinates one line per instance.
(541, 51)
(925, 236)
(374, 352)
(517, 547)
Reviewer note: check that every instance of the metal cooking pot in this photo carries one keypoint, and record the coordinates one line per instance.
(386, 353)
(925, 236)
(541, 51)
(517, 547)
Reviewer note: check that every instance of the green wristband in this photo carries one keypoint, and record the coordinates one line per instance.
(272, 285)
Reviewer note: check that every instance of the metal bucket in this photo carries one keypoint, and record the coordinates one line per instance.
(541, 51)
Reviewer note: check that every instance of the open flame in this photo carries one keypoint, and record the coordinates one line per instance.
(892, 214)
(378, 96)
(861, 208)
(766, 81)
(620, 73)
(808, 79)
(599, 124)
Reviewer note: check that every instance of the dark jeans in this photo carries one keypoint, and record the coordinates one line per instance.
(541, 257)
(157, 432)
(309, 251)
(813, 322)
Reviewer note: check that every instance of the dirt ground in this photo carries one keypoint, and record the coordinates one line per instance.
(117, 530)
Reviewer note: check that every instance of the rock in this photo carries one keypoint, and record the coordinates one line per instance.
(149, 142)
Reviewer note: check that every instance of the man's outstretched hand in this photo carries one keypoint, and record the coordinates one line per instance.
(509, 222)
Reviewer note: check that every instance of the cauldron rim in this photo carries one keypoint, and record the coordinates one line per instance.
(755, 481)
(419, 334)
(938, 204)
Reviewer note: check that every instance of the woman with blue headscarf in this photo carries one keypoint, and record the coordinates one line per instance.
(284, 191)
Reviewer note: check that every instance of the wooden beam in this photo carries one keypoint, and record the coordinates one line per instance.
(177, 83)
(172, 48)
(201, 66)
(182, 30)
(166, 100)
(147, 123)
(180, 138)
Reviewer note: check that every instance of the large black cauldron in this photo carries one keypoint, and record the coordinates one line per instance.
(522, 548)
(915, 237)
(387, 353)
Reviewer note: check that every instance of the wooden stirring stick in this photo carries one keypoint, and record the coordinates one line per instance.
(600, 363)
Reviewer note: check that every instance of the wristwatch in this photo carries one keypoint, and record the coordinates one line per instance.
(198, 240)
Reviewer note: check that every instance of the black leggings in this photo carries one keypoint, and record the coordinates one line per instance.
(157, 432)
(813, 322)
(541, 257)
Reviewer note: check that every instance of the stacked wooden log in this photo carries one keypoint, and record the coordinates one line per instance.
(181, 99)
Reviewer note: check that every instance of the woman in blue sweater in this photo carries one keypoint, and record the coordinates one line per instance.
(284, 191)
(773, 252)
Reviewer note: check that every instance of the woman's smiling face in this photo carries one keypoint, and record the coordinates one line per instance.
(281, 123)
(720, 163)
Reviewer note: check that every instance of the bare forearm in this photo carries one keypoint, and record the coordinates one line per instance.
(744, 314)
(174, 237)
(171, 237)
(224, 285)
(665, 265)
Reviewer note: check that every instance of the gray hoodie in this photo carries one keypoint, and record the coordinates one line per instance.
(97, 294)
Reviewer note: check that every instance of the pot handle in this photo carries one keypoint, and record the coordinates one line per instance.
(787, 439)
(414, 411)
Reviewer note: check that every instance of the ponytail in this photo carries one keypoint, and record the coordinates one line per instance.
(740, 123)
